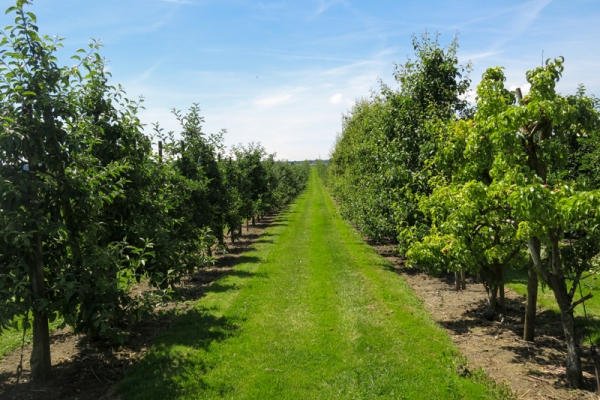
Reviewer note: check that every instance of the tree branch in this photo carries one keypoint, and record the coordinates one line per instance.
(576, 281)
(581, 300)
(511, 256)
(478, 228)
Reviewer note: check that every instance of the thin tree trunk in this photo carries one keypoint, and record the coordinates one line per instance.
(40, 363)
(530, 309)
(501, 289)
(456, 281)
(463, 279)
(557, 282)
(559, 288)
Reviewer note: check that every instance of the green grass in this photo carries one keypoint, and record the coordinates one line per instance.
(312, 313)
(590, 326)
(11, 339)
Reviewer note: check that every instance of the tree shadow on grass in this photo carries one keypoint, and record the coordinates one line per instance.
(92, 371)
(280, 223)
(177, 357)
(264, 238)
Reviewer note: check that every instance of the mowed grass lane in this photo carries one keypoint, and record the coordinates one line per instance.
(312, 313)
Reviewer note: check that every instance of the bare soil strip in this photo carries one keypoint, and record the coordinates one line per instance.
(532, 370)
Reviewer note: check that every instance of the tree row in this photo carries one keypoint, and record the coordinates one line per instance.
(510, 181)
(91, 206)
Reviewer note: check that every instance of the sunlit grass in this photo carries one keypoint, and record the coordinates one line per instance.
(313, 315)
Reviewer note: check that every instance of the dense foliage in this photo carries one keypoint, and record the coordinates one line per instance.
(88, 208)
(378, 164)
(482, 189)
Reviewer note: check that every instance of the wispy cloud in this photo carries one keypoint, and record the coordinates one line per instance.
(526, 15)
(143, 76)
(530, 12)
(478, 56)
(271, 101)
(325, 5)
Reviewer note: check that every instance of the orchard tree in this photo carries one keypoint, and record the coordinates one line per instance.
(472, 229)
(377, 166)
(53, 186)
(557, 216)
(232, 178)
(252, 178)
(360, 169)
(198, 161)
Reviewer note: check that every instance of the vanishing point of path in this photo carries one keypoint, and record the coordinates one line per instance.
(311, 313)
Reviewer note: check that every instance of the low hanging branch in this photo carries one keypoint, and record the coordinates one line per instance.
(581, 300)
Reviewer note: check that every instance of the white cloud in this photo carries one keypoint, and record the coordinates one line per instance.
(470, 96)
(336, 98)
(271, 101)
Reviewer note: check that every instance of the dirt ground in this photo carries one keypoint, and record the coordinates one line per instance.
(533, 370)
(86, 370)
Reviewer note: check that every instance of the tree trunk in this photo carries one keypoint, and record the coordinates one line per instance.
(463, 279)
(456, 281)
(573, 367)
(490, 311)
(530, 309)
(561, 294)
(253, 221)
(502, 301)
(554, 277)
(40, 363)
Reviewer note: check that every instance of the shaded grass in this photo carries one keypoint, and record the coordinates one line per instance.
(11, 339)
(319, 317)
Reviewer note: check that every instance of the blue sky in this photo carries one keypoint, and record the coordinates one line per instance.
(283, 72)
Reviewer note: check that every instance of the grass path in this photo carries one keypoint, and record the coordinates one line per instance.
(314, 313)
